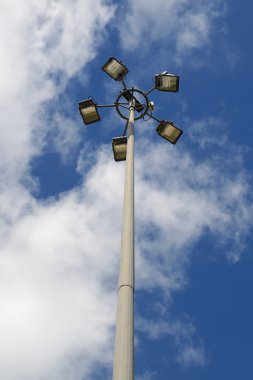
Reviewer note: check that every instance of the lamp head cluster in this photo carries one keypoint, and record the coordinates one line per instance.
(162, 82)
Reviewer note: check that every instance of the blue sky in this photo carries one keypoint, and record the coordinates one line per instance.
(61, 191)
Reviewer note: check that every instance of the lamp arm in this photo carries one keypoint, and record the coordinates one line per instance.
(153, 117)
(124, 84)
(105, 105)
(112, 105)
(149, 91)
(125, 129)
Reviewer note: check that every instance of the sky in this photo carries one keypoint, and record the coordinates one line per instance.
(61, 192)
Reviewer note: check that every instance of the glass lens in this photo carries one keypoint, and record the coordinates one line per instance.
(90, 114)
(115, 69)
(120, 151)
(168, 83)
(170, 132)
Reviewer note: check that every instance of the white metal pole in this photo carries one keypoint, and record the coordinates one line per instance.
(124, 341)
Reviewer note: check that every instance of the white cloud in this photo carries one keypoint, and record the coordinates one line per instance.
(43, 44)
(147, 376)
(65, 136)
(192, 355)
(185, 199)
(59, 259)
(57, 298)
(177, 26)
(45, 301)
(189, 352)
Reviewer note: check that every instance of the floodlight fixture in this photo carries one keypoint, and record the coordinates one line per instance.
(119, 147)
(116, 69)
(167, 82)
(88, 111)
(169, 131)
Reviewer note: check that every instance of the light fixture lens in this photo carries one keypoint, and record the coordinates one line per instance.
(167, 82)
(169, 131)
(119, 147)
(116, 69)
(88, 111)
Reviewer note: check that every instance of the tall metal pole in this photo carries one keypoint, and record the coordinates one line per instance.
(124, 341)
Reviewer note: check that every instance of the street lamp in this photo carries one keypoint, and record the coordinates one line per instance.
(88, 111)
(116, 69)
(169, 131)
(167, 82)
(119, 146)
(128, 102)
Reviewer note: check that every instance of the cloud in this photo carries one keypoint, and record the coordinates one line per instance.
(178, 25)
(59, 259)
(185, 199)
(192, 355)
(190, 352)
(147, 376)
(45, 300)
(212, 141)
(57, 278)
(65, 137)
(40, 53)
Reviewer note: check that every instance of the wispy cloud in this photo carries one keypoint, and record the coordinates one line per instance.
(181, 25)
(189, 351)
(147, 376)
(46, 50)
(59, 257)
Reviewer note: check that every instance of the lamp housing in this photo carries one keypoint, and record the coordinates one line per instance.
(167, 82)
(88, 111)
(169, 131)
(115, 69)
(119, 147)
